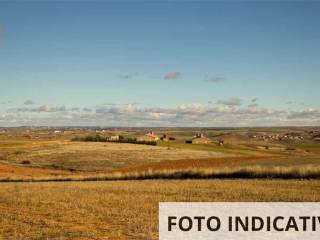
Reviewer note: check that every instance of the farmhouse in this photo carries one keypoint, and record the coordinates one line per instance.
(164, 138)
(199, 139)
(149, 137)
(114, 138)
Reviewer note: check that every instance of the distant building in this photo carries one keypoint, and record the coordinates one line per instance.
(114, 138)
(164, 138)
(149, 137)
(67, 132)
(199, 139)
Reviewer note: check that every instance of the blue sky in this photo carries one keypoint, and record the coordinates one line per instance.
(145, 63)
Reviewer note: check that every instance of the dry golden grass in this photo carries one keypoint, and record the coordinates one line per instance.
(123, 209)
(232, 167)
(92, 156)
(129, 209)
(247, 172)
(65, 160)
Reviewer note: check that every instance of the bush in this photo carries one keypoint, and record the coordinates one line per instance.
(290, 149)
(76, 138)
(98, 138)
(26, 162)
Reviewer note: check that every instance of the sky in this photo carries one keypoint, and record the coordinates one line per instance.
(160, 63)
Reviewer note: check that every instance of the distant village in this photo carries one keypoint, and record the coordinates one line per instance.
(164, 134)
(289, 136)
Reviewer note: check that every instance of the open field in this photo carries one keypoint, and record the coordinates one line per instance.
(123, 209)
(185, 169)
(61, 159)
(108, 108)
(250, 165)
(66, 155)
(39, 150)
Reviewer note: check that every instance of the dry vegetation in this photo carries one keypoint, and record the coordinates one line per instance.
(124, 209)
(102, 208)
(92, 156)
(246, 172)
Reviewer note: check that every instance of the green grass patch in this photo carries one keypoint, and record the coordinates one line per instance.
(227, 148)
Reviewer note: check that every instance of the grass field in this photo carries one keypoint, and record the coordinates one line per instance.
(61, 159)
(124, 209)
(93, 157)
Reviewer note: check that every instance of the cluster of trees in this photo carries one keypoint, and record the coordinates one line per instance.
(99, 138)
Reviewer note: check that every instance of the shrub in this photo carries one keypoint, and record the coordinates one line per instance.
(26, 162)
(98, 138)
(76, 138)
(290, 149)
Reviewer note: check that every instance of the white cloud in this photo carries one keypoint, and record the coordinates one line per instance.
(254, 100)
(44, 109)
(230, 102)
(28, 102)
(86, 109)
(214, 79)
(130, 75)
(253, 105)
(305, 114)
(226, 113)
(172, 75)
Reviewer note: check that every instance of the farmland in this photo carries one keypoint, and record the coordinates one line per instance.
(126, 209)
(250, 165)
(110, 108)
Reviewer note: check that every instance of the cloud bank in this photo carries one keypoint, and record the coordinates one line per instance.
(224, 113)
